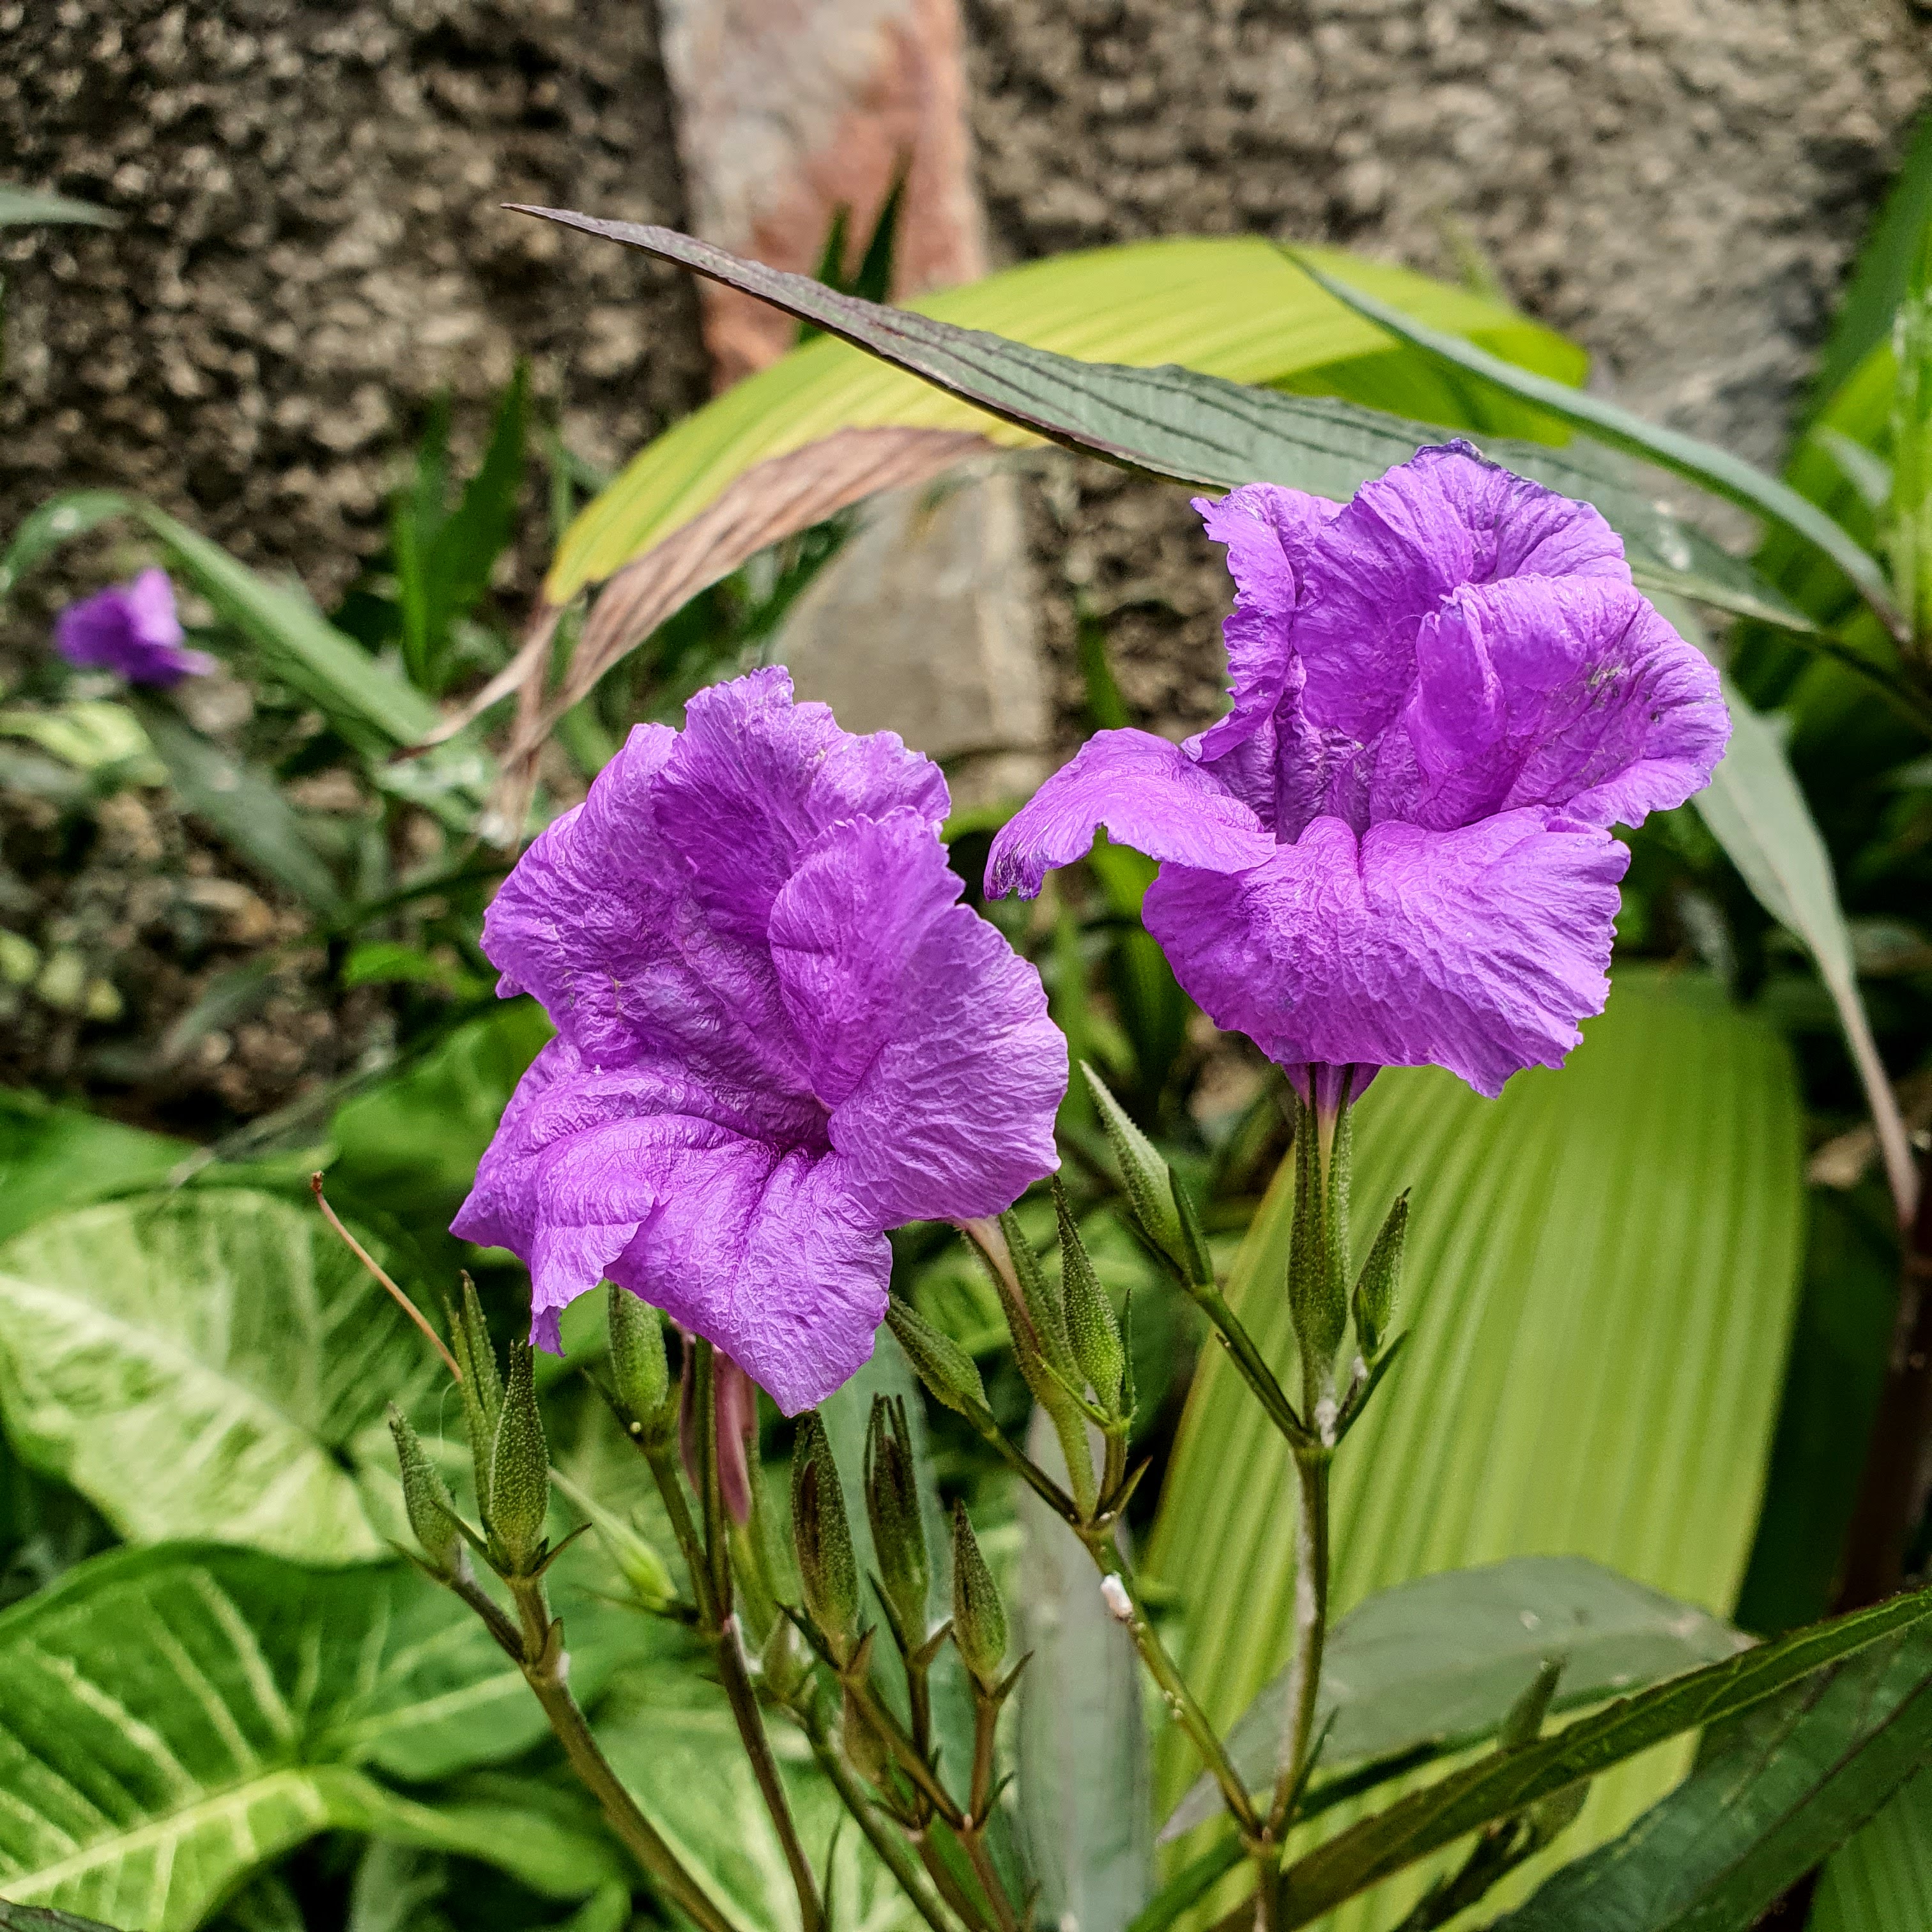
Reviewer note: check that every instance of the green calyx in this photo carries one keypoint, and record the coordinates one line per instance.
(1373, 1302)
(519, 1472)
(978, 1618)
(892, 1509)
(639, 1370)
(948, 1372)
(426, 1497)
(1317, 1267)
(1092, 1332)
(482, 1384)
(1153, 1191)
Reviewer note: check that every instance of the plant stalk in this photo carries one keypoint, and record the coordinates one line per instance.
(545, 1666)
(1311, 1631)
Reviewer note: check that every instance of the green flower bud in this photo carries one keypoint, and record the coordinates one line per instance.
(979, 1618)
(639, 1372)
(1149, 1185)
(1315, 1300)
(1375, 1286)
(1094, 1334)
(784, 1663)
(1039, 1322)
(827, 1572)
(892, 1508)
(482, 1384)
(519, 1471)
(432, 1509)
(939, 1361)
(637, 1561)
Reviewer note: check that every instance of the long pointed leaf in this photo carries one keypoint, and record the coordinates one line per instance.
(1771, 1796)
(1231, 306)
(1506, 1781)
(1704, 463)
(1178, 423)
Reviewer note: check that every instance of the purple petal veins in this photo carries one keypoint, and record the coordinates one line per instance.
(778, 1035)
(132, 630)
(1395, 848)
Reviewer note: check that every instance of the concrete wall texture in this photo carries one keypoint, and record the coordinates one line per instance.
(312, 244)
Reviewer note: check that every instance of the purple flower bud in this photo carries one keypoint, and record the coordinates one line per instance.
(778, 1035)
(1395, 849)
(131, 629)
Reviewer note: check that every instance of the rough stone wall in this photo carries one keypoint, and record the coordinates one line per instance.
(1679, 184)
(312, 248)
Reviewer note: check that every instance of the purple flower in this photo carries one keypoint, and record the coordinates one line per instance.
(778, 1036)
(1395, 849)
(130, 628)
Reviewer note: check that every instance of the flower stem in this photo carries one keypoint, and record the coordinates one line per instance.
(541, 1654)
(1311, 1630)
(890, 1848)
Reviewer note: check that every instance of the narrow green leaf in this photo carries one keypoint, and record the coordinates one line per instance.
(21, 207)
(1179, 423)
(1704, 463)
(43, 530)
(242, 804)
(1440, 1662)
(175, 1719)
(1602, 1270)
(1505, 1782)
(204, 1364)
(1233, 306)
(1757, 810)
(1772, 1795)
(1084, 1782)
(465, 550)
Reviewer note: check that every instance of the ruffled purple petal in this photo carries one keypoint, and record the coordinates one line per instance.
(131, 629)
(1478, 950)
(1399, 547)
(929, 1036)
(1147, 793)
(1269, 531)
(755, 779)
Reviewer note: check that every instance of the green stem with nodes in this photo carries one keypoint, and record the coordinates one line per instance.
(538, 1649)
(708, 1560)
(1311, 1630)
(886, 1843)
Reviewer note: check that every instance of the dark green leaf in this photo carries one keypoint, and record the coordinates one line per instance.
(1884, 267)
(465, 550)
(1882, 1881)
(1704, 463)
(1772, 1796)
(1504, 1782)
(1174, 422)
(1439, 1662)
(242, 804)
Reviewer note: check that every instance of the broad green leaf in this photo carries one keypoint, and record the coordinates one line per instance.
(1758, 812)
(1703, 463)
(1504, 1782)
(204, 1364)
(175, 1718)
(671, 1737)
(1882, 1881)
(1599, 1285)
(39, 1918)
(1231, 306)
(1084, 1784)
(21, 207)
(53, 1158)
(1440, 1661)
(1183, 424)
(368, 704)
(1771, 1794)
(243, 805)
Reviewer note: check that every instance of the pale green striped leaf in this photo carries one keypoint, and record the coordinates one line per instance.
(1600, 1279)
(205, 1364)
(175, 1718)
(1882, 1880)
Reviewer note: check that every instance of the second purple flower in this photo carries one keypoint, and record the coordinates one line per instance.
(1395, 849)
(778, 1035)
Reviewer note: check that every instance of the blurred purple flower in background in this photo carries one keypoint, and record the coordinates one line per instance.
(778, 1036)
(131, 629)
(1395, 849)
